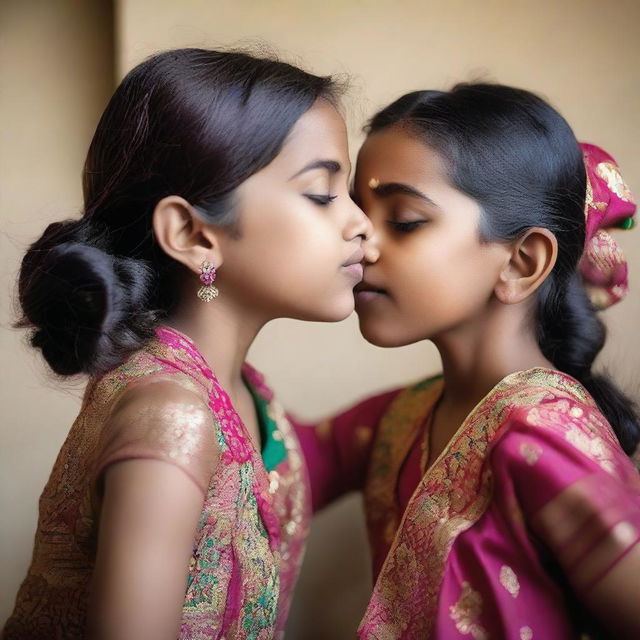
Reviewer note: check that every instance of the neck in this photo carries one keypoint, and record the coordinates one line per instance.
(223, 333)
(476, 356)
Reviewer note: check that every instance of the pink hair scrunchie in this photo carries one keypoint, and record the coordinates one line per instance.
(609, 203)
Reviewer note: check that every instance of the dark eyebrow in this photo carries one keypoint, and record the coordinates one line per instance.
(330, 165)
(387, 189)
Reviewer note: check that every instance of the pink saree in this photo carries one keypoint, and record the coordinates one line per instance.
(248, 547)
(531, 504)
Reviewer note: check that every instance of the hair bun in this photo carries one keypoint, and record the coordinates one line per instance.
(78, 299)
(72, 293)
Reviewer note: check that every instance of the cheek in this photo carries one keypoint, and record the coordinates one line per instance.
(292, 266)
(438, 283)
(453, 280)
(277, 239)
(296, 228)
(303, 252)
(271, 265)
(461, 266)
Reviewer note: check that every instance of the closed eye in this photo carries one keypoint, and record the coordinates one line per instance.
(321, 200)
(405, 227)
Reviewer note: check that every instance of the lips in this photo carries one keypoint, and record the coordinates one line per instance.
(367, 287)
(353, 265)
(355, 271)
(368, 292)
(355, 258)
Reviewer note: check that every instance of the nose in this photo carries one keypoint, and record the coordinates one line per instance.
(357, 225)
(371, 249)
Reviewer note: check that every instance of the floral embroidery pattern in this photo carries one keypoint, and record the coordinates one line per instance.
(466, 613)
(404, 418)
(249, 541)
(531, 452)
(611, 174)
(587, 431)
(452, 496)
(509, 580)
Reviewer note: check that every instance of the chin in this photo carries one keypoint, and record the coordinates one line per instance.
(341, 312)
(343, 307)
(337, 312)
(380, 336)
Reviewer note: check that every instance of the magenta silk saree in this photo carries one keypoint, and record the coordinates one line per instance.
(248, 546)
(530, 505)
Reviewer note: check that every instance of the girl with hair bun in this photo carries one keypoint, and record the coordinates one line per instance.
(216, 200)
(500, 498)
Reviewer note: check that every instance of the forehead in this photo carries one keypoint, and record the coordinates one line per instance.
(394, 155)
(319, 133)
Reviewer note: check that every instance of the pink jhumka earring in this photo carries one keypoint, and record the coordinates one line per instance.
(207, 292)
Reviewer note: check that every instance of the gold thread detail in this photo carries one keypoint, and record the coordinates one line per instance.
(509, 580)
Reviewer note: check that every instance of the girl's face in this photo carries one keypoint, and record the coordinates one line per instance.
(429, 274)
(297, 252)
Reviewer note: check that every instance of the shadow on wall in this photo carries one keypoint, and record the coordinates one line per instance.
(332, 591)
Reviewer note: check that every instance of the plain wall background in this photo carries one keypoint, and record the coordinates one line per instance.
(56, 74)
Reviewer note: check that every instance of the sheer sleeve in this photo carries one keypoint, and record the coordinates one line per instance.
(337, 449)
(162, 420)
(578, 493)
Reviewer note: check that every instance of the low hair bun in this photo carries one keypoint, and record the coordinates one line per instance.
(82, 303)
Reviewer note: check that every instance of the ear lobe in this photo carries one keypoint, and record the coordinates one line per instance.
(532, 258)
(183, 236)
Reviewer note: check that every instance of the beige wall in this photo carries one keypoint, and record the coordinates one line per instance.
(56, 74)
(581, 54)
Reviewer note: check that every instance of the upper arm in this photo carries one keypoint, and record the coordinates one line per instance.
(337, 449)
(158, 451)
(580, 496)
(148, 521)
(162, 420)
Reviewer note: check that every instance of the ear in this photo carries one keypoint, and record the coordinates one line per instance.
(183, 235)
(532, 258)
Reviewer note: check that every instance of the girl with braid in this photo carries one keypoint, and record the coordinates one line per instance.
(500, 498)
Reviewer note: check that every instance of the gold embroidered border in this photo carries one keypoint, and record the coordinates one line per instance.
(398, 429)
(452, 496)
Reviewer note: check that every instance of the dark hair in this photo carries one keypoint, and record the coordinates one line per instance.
(188, 122)
(518, 158)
